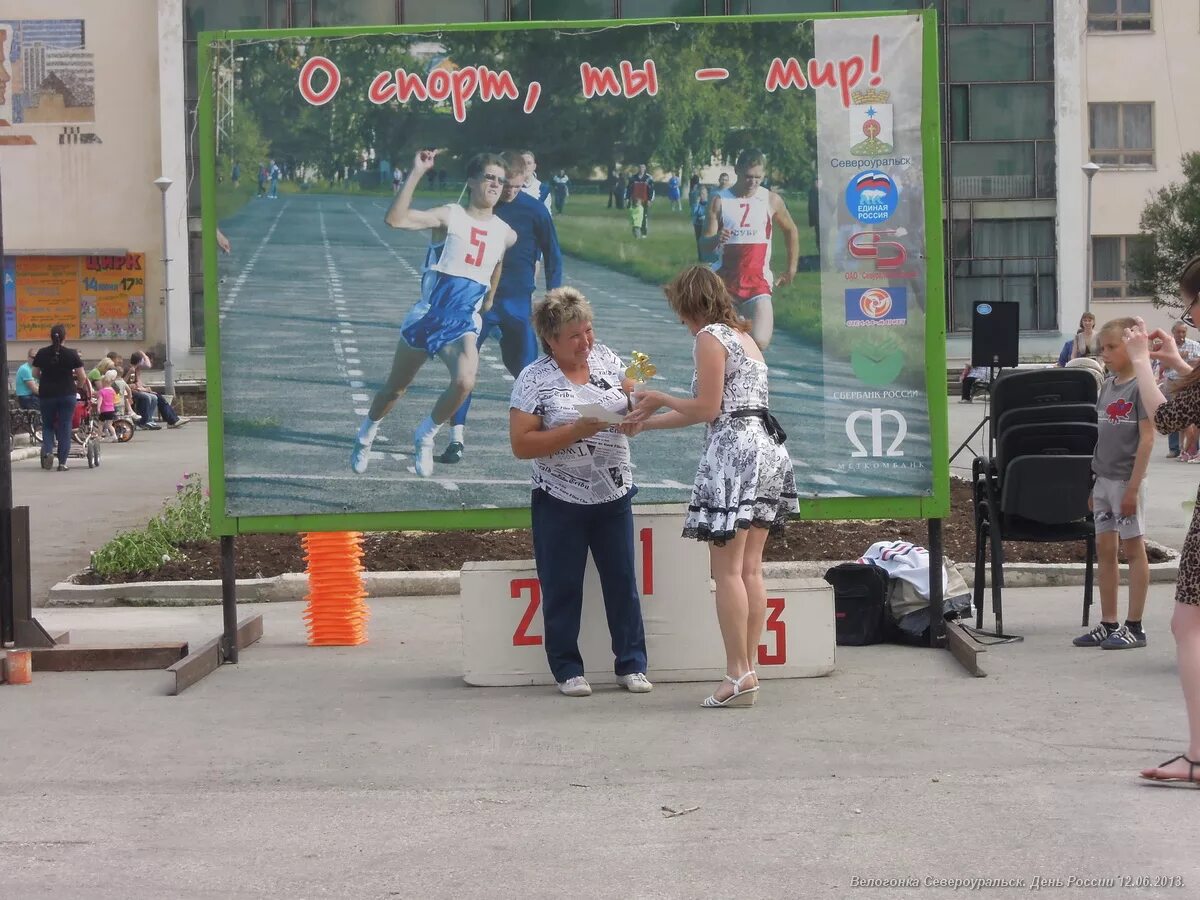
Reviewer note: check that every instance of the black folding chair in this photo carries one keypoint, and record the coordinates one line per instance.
(1036, 485)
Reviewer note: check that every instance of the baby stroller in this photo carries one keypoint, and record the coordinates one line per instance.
(85, 433)
(85, 436)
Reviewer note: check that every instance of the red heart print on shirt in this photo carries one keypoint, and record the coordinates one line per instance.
(1118, 410)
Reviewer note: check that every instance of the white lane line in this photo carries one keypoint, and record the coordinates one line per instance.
(240, 281)
(392, 250)
(352, 376)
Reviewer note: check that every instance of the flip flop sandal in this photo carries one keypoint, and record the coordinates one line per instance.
(1191, 779)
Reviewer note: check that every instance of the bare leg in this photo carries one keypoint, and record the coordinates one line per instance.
(756, 592)
(462, 360)
(1185, 624)
(1108, 574)
(761, 316)
(1139, 577)
(732, 609)
(405, 365)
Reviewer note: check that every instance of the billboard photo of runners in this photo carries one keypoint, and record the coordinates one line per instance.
(395, 202)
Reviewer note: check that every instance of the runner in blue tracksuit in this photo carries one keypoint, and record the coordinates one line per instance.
(510, 312)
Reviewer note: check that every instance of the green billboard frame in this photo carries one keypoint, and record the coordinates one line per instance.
(935, 505)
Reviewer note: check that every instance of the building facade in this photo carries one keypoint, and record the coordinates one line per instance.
(1138, 70)
(90, 101)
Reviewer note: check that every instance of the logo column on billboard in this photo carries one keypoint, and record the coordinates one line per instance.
(875, 417)
(872, 197)
(876, 306)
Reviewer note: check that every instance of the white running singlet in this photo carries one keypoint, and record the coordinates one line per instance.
(473, 246)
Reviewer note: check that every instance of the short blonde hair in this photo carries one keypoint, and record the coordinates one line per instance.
(1118, 325)
(109, 377)
(559, 308)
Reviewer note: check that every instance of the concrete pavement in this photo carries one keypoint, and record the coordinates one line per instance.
(373, 772)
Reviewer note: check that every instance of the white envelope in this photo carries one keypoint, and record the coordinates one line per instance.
(596, 411)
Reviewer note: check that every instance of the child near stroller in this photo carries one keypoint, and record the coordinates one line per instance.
(107, 397)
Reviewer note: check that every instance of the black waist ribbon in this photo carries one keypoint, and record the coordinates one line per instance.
(774, 429)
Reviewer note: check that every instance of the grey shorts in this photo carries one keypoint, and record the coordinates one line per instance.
(1106, 506)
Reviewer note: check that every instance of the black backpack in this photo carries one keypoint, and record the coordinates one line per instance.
(860, 595)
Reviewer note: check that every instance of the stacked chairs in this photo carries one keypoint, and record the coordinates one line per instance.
(1036, 484)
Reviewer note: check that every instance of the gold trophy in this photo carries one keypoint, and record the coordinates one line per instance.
(640, 370)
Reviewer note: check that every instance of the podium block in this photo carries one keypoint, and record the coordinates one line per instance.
(502, 618)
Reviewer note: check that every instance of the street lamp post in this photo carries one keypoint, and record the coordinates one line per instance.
(1089, 169)
(163, 184)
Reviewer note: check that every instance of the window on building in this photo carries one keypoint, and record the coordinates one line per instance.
(1119, 15)
(989, 11)
(1121, 134)
(557, 10)
(1110, 272)
(649, 9)
(220, 15)
(425, 13)
(354, 12)
(762, 7)
(1000, 170)
(991, 53)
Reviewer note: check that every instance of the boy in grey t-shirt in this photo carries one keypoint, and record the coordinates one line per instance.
(1124, 443)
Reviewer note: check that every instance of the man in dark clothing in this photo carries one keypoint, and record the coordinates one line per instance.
(512, 306)
(641, 187)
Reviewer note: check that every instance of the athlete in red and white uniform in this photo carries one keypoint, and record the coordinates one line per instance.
(741, 220)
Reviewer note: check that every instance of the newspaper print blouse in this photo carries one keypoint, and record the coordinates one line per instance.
(593, 470)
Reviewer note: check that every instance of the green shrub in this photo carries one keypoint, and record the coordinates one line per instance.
(184, 519)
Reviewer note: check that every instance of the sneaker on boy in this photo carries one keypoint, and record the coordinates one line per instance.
(1097, 636)
(1124, 638)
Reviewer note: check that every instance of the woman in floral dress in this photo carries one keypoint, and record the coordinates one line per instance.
(744, 484)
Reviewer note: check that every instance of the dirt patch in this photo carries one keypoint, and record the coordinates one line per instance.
(266, 555)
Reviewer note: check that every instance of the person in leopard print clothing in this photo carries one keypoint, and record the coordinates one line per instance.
(1174, 414)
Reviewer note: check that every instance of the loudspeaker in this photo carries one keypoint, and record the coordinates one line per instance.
(994, 334)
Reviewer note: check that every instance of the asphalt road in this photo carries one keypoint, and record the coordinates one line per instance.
(311, 301)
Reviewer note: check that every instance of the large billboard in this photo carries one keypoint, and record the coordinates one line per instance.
(311, 142)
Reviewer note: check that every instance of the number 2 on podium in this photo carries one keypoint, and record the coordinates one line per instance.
(518, 586)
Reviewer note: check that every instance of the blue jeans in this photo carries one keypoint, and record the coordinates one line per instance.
(56, 425)
(562, 535)
(145, 403)
(28, 401)
(1173, 442)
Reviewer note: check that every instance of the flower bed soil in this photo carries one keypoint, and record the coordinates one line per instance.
(267, 555)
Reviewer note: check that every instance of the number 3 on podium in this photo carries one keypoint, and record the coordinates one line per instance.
(779, 630)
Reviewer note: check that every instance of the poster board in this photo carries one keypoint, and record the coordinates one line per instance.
(845, 108)
(95, 297)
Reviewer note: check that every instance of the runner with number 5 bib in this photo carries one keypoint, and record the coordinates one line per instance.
(445, 320)
(740, 222)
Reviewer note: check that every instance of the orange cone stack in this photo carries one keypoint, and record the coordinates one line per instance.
(336, 614)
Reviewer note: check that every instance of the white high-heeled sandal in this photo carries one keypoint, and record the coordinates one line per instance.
(740, 696)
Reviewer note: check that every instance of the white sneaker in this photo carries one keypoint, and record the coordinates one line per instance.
(575, 687)
(423, 456)
(635, 683)
(359, 457)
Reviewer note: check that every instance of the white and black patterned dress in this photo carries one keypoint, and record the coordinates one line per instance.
(745, 478)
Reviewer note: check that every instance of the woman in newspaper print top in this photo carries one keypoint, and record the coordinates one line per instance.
(582, 488)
